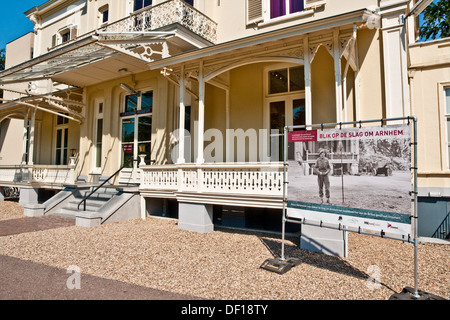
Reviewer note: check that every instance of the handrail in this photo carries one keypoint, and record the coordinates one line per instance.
(442, 232)
(101, 185)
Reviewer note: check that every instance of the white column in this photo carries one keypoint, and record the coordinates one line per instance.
(143, 208)
(201, 115)
(337, 75)
(31, 138)
(395, 67)
(228, 145)
(181, 140)
(25, 137)
(307, 67)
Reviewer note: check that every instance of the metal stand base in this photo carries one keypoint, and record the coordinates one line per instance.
(280, 266)
(410, 294)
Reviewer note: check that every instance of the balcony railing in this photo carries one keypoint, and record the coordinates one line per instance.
(40, 174)
(155, 17)
(231, 179)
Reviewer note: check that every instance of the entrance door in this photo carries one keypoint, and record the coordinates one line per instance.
(284, 111)
(285, 102)
(137, 128)
(62, 138)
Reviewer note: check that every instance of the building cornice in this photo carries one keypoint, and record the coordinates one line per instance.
(359, 16)
(46, 7)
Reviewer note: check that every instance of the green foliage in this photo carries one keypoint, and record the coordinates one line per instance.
(436, 22)
(2, 67)
(2, 59)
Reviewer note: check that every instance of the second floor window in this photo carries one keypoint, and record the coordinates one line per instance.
(279, 8)
(263, 11)
(447, 120)
(104, 14)
(139, 4)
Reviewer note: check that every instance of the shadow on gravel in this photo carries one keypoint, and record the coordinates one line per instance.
(292, 248)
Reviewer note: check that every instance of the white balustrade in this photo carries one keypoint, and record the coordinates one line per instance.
(165, 14)
(233, 178)
(37, 174)
(157, 16)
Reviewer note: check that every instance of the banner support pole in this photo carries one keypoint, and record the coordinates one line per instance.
(416, 229)
(283, 225)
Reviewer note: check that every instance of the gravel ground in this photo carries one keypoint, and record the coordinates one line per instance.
(224, 265)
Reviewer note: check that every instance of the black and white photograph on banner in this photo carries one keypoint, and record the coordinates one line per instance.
(359, 176)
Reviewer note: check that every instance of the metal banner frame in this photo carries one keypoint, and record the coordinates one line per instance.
(414, 192)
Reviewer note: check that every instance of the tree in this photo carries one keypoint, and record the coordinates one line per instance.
(2, 59)
(436, 20)
(2, 67)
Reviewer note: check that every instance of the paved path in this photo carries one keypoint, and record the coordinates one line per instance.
(23, 225)
(26, 280)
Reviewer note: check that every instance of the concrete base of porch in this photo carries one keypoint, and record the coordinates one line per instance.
(28, 195)
(327, 241)
(33, 210)
(195, 217)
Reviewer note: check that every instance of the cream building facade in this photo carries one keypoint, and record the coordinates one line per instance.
(174, 101)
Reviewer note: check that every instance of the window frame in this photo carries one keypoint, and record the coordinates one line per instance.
(446, 111)
(143, 5)
(104, 10)
(287, 9)
(99, 108)
(443, 130)
(259, 11)
(287, 97)
(138, 113)
(64, 127)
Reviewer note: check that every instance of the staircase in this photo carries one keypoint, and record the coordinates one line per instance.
(443, 231)
(93, 205)
(108, 204)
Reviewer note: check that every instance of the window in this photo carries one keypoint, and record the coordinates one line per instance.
(286, 80)
(270, 11)
(104, 14)
(139, 4)
(447, 120)
(279, 8)
(61, 120)
(27, 143)
(285, 102)
(98, 139)
(137, 127)
(64, 35)
(62, 138)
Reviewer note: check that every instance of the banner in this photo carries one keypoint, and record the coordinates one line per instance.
(359, 178)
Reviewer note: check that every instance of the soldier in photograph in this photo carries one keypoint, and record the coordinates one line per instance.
(323, 169)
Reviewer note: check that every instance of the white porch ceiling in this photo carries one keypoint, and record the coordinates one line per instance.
(98, 57)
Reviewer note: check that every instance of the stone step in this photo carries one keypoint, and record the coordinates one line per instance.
(91, 205)
(101, 196)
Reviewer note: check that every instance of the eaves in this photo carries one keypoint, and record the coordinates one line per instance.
(359, 16)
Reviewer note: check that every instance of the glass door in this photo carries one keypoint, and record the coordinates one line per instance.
(137, 128)
(62, 136)
(277, 124)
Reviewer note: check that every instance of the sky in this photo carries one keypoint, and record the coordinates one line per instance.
(13, 22)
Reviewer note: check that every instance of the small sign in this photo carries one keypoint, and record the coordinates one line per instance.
(128, 148)
(303, 136)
